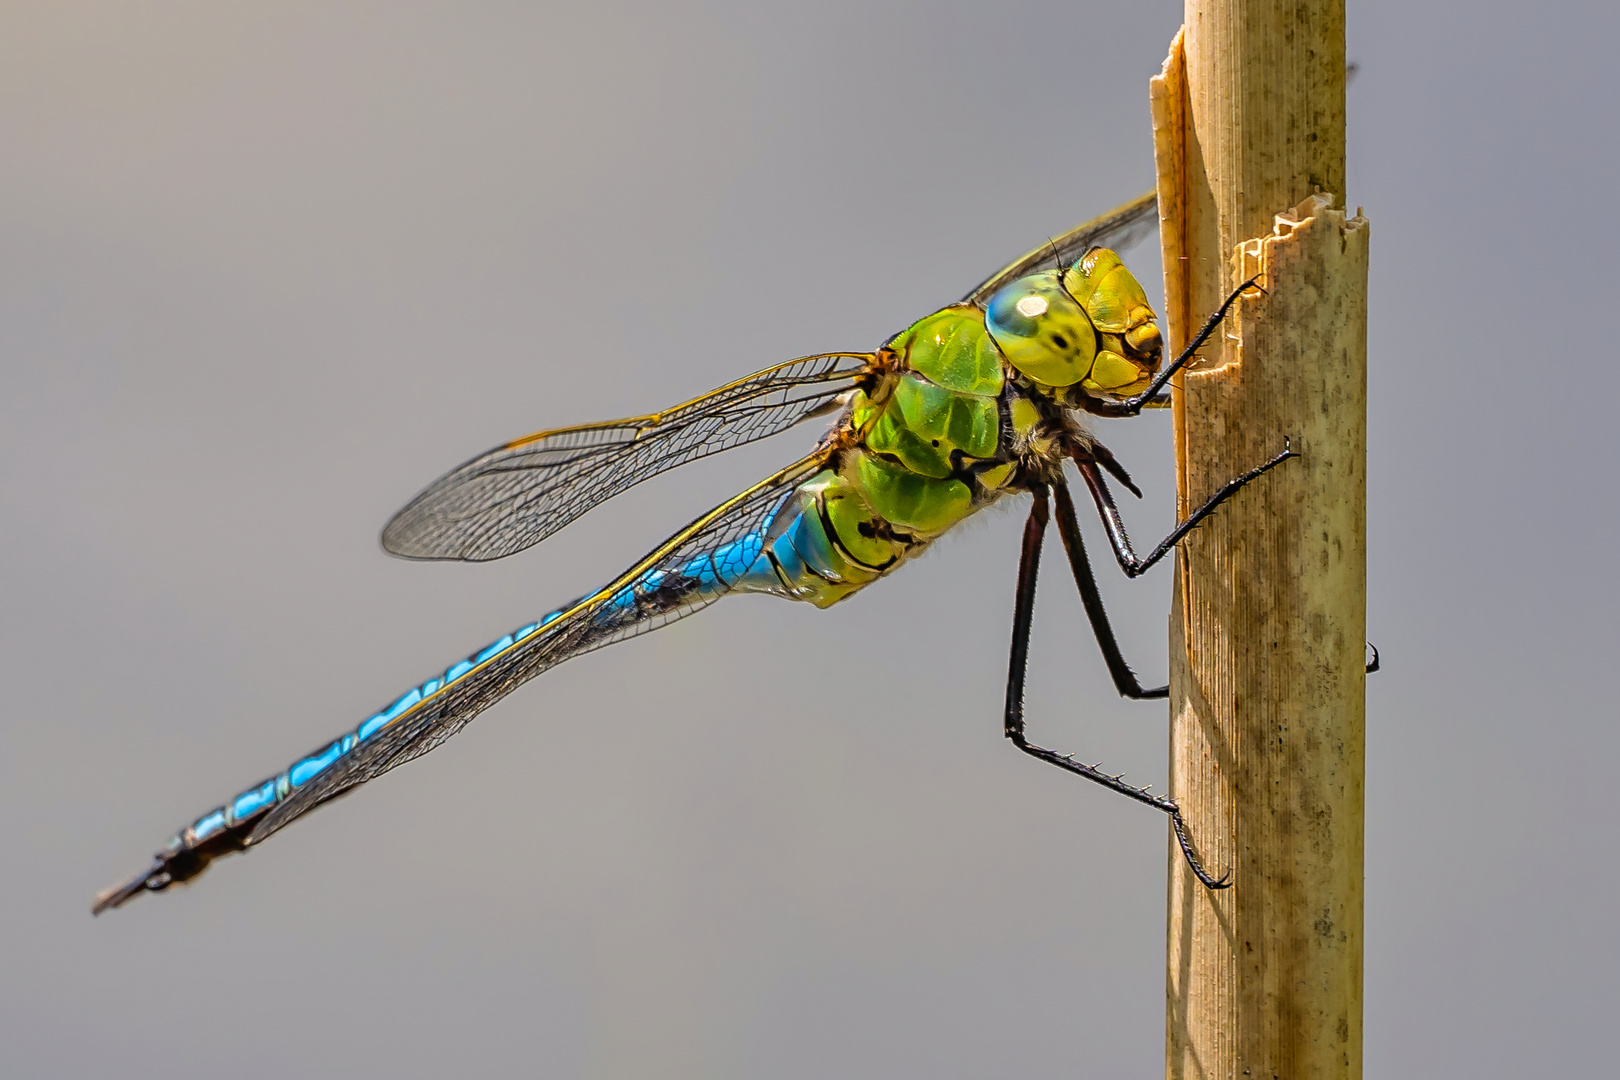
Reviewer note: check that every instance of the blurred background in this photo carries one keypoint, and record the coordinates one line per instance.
(267, 269)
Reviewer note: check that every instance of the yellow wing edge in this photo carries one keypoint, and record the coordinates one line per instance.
(652, 420)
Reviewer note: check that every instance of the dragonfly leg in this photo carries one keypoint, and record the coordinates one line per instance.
(1088, 463)
(1133, 566)
(1069, 530)
(1023, 614)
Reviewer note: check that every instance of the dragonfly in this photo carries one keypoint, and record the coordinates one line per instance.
(982, 400)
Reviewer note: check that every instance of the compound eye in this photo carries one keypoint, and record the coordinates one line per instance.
(1042, 330)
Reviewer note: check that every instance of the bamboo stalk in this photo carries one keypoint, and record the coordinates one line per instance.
(1266, 657)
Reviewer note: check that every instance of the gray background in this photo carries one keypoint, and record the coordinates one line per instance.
(266, 270)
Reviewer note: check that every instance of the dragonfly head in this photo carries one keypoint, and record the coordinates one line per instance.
(1088, 324)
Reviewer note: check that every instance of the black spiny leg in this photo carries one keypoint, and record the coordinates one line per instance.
(1088, 463)
(1125, 680)
(1115, 525)
(1023, 613)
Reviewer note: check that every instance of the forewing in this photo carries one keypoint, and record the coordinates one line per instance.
(687, 572)
(1119, 228)
(518, 494)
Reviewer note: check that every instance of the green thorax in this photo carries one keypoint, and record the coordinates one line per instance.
(932, 447)
(933, 440)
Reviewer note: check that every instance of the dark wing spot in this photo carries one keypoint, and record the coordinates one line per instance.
(1060, 341)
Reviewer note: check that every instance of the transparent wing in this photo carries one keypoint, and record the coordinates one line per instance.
(1119, 228)
(689, 571)
(518, 494)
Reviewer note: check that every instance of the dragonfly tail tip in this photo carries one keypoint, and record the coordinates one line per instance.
(119, 895)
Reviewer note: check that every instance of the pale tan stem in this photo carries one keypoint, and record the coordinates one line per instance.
(1267, 631)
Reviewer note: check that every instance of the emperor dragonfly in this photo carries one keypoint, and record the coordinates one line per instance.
(978, 401)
